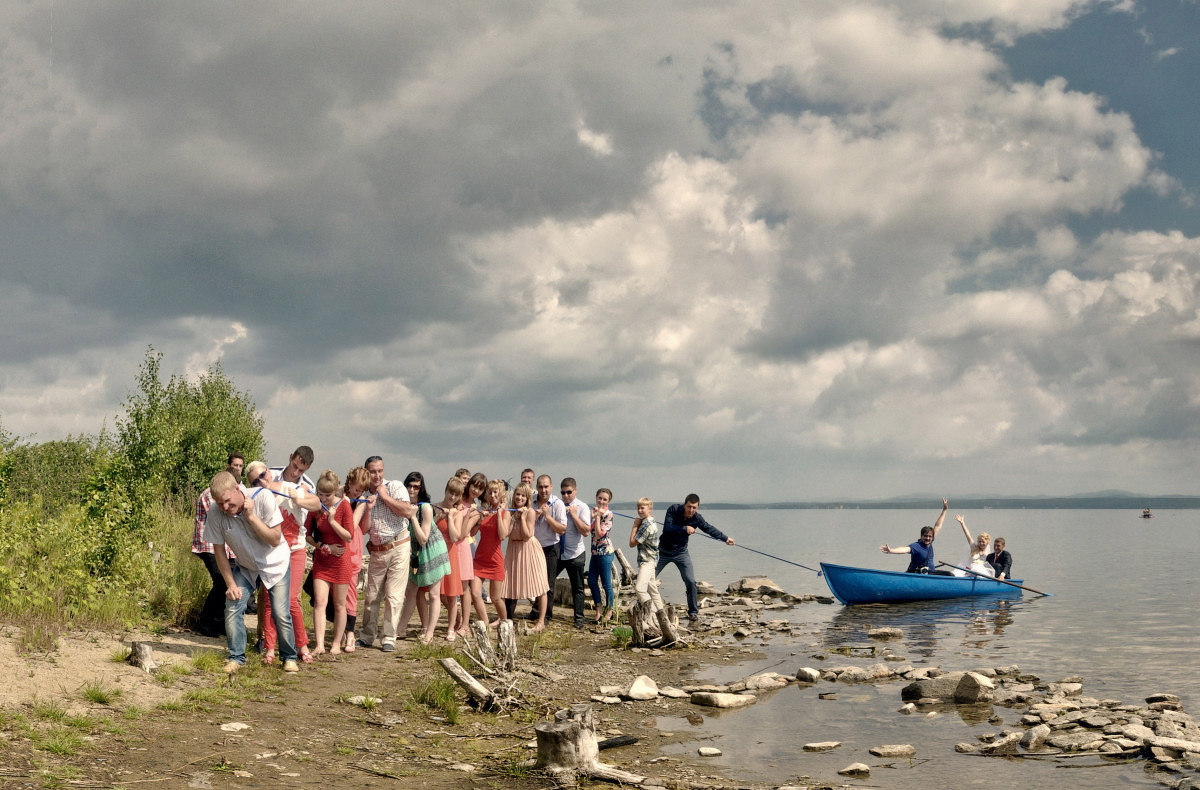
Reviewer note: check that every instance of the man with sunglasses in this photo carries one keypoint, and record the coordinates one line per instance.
(572, 551)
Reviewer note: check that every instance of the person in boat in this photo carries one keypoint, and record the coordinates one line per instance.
(975, 560)
(921, 552)
(1000, 560)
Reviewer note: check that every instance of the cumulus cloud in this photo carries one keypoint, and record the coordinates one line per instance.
(652, 247)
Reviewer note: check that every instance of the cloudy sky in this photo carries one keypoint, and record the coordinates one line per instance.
(763, 251)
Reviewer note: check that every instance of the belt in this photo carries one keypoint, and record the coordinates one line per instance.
(376, 549)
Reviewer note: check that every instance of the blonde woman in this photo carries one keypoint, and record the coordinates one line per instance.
(977, 549)
(524, 562)
(334, 527)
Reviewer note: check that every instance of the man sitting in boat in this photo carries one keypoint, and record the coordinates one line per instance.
(921, 559)
(1000, 559)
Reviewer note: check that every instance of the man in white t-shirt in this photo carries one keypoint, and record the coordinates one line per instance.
(573, 547)
(249, 523)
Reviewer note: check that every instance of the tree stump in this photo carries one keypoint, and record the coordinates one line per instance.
(644, 624)
(666, 628)
(506, 646)
(141, 655)
(483, 643)
(568, 746)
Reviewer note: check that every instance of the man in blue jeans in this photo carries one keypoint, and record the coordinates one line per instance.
(681, 522)
(250, 523)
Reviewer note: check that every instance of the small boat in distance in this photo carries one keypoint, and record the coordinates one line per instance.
(1147, 514)
(854, 586)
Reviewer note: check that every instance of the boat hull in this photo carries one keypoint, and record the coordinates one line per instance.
(853, 586)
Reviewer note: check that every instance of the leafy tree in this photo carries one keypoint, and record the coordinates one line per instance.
(176, 435)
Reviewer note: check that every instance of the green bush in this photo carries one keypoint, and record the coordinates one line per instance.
(97, 531)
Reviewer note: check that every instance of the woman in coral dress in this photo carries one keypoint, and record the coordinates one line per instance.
(490, 531)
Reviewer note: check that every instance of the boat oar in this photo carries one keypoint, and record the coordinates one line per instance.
(994, 579)
(740, 546)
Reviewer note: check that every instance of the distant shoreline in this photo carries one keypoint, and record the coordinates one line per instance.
(1137, 503)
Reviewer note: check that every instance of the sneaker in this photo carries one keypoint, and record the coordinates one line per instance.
(362, 642)
(388, 647)
(291, 666)
(232, 666)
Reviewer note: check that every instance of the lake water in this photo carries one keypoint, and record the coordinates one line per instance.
(1122, 615)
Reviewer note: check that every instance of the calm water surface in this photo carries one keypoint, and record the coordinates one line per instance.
(1122, 615)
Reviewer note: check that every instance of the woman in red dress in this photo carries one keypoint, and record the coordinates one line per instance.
(491, 529)
(331, 573)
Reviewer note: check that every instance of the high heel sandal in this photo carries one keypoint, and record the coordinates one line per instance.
(306, 656)
(269, 657)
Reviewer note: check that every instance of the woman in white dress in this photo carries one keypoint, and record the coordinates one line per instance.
(977, 549)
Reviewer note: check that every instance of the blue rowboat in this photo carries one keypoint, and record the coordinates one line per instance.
(866, 585)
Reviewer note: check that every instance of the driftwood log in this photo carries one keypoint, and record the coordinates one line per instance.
(567, 746)
(628, 572)
(506, 646)
(141, 655)
(652, 628)
(479, 694)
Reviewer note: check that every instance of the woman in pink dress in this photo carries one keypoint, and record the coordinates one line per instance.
(449, 522)
(331, 573)
(471, 595)
(491, 530)
(524, 562)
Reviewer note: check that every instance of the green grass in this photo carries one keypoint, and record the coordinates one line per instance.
(48, 710)
(120, 655)
(515, 768)
(438, 694)
(96, 692)
(132, 713)
(208, 660)
(621, 637)
(60, 741)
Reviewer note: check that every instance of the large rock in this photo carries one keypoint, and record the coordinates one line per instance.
(966, 688)
(885, 633)
(1035, 736)
(808, 675)
(642, 687)
(822, 746)
(894, 750)
(718, 700)
(1075, 741)
(941, 687)
(766, 681)
(855, 769)
(755, 585)
(1005, 744)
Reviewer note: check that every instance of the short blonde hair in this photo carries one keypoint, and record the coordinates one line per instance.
(524, 490)
(646, 501)
(221, 482)
(500, 487)
(328, 482)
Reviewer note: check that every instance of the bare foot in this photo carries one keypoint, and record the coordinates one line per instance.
(451, 636)
(537, 627)
(349, 648)
(426, 638)
(335, 651)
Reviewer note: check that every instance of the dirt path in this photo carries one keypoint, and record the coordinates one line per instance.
(172, 728)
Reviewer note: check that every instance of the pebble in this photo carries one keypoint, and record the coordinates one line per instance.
(464, 767)
(234, 726)
(708, 751)
(885, 633)
(855, 769)
(964, 748)
(822, 746)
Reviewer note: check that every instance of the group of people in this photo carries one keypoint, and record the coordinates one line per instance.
(978, 560)
(418, 555)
